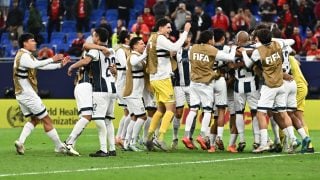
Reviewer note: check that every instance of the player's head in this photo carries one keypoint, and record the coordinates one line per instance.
(264, 36)
(27, 41)
(163, 26)
(100, 35)
(206, 37)
(276, 32)
(219, 35)
(137, 44)
(242, 37)
(257, 28)
(124, 37)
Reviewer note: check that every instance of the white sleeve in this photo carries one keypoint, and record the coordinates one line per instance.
(164, 43)
(51, 66)
(28, 62)
(222, 56)
(94, 54)
(137, 59)
(284, 42)
(256, 45)
(121, 57)
(226, 49)
(250, 61)
(290, 50)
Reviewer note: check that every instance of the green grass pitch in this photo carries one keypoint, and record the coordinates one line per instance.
(40, 162)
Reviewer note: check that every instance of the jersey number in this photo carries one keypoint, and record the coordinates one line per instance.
(109, 61)
(240, 75)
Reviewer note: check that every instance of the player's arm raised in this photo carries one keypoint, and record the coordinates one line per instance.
(104, 49)
(28, 62)
(52, 66)
(80, 63)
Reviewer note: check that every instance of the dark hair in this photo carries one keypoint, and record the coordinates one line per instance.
(160, 23)
(102, 33)
(276, 32)
(24, 37)
(261, 26)
(264, 36)
(218, 34)
(134, 41)
(258, 27)
(205, 37)
(122, 36)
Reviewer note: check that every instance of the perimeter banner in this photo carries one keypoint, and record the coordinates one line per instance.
(64, 114)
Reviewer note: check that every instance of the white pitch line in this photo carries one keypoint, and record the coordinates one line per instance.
(147, 165)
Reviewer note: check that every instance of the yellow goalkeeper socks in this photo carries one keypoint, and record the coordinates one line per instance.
(166, 120)
(154, 123)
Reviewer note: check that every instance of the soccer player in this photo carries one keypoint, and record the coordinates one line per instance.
(103, 92)
(122, 53)
(202, 58)
(291, 91)
(181, 86)
(220, 92)
(160, 69)
(302, 91)
(269, 56)
(133, 90)
(25, 84)
(83, 96)
(246, 89)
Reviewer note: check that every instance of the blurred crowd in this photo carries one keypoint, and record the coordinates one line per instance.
(298, 19)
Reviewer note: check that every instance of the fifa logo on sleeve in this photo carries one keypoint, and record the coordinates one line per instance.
(273, 58)
(200, 57)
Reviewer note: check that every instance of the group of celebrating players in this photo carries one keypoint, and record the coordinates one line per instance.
(153, 82)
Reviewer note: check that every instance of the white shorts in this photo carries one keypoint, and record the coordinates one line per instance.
(182, 94)
(103, 105)
(83, 96)
(220, 92)
(291, 94)
(201, 95)
(231, 104)
(135, 106)
(31, 105)
(272, 98)
(241, 98)
(121, 102)
(148, 100)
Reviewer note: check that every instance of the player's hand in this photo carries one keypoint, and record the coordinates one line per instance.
(241, 49)
(173, 53)
(187, 27)
(65, 61)
(57, 57)
(287, 77)
(113, 69)
(70, 70)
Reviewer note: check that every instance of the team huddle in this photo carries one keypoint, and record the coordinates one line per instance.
(153, 82)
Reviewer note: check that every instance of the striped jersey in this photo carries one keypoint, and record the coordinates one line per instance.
(286, 67)
(220, 65)
(103, 80)
(246, 80)
(182, 73)
(84, 74)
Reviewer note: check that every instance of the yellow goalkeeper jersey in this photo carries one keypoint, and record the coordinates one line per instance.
(296, 72)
